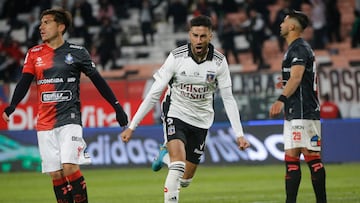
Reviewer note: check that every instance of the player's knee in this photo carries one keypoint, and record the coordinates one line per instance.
(185, 182)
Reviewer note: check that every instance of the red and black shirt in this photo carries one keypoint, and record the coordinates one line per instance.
(57, 74)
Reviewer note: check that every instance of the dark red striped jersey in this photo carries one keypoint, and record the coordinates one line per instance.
(57, 73)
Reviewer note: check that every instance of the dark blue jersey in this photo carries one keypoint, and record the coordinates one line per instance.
(304, 103)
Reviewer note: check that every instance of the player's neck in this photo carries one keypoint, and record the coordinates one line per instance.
(56, 43)
(201, 58)
(292, 37)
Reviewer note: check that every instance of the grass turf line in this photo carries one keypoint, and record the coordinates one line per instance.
(212, 184)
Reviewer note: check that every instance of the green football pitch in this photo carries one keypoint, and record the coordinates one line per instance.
(215, 184)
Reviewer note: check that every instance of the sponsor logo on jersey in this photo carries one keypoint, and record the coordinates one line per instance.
(71, 79)
(56, 96)
(298, 127)
(194, 91)
(36, 49)
(50, 81)
(69, 59)
(39, 62)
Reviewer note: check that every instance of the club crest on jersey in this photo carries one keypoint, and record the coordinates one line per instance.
(69, 59)
(210, 77)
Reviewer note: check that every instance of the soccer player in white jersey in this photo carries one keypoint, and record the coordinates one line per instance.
(192, 74)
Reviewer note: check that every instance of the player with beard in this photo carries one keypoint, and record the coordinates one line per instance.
(192, 73)
(302, 130)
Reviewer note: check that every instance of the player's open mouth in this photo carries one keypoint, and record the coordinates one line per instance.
(198, 48)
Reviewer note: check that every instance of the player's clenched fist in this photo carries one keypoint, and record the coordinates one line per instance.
(126, 135)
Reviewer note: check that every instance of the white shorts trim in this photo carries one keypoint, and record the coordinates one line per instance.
(300, 133)
(61, 145)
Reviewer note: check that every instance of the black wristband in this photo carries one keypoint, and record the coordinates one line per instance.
(282, 98)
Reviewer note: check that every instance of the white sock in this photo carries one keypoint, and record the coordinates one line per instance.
(166, 159)
(172, 182)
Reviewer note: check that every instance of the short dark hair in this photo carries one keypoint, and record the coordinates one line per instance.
(201, 20)
(60, 16)
(300, 17)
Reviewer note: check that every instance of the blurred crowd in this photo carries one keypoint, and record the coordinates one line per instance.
(257, 20)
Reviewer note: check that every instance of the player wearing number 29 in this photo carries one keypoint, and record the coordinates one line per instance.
(302, 130)
(192, 73)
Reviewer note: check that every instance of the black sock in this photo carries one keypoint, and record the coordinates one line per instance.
(318, 177)
(62, 194)
(78, 187)
(292, 178)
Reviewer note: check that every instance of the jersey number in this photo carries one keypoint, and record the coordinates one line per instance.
(296, 136)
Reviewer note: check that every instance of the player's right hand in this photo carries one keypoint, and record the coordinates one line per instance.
(122, 118)
(276, 109)
(7, 112)
(5, 117)
(126, 135)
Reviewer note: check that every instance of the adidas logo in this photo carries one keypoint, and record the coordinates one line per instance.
(174, 198)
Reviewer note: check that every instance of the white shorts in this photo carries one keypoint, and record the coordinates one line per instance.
(61, 145)
(300, 133)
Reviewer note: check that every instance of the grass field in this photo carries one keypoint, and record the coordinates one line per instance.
(231, 184)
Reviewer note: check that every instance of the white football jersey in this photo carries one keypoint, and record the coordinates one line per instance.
(191, 88)
(192, 85)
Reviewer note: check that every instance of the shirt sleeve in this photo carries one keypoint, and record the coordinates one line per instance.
(232, 110)
(28, 64)
(223, 76)
(162, 78)
(299, 56)
(86, 65)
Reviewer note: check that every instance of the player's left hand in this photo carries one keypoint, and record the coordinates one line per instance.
(243, 143)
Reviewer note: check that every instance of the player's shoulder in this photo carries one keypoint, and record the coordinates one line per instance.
(217, 55)
(181, 51)
(37, 48)
(75, 46)
(76, 49)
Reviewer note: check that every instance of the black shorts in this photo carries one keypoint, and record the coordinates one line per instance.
(193, 137)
